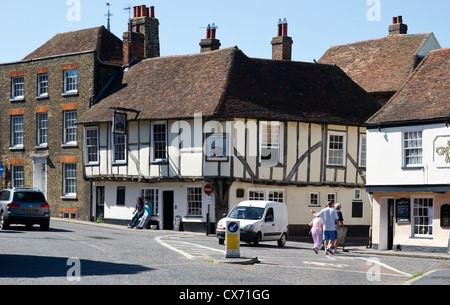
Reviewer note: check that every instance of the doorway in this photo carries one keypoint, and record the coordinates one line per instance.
(40, 175)
(100, 202)
(390, 222)
(168, 210)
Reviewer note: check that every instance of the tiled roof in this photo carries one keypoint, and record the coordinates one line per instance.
(378, 65)
(425, 96)
(108, 46)
(227, 84)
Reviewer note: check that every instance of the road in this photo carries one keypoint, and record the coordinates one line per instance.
(72, 253)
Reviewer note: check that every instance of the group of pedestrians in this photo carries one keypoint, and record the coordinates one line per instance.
(327, 225)
(142, 210)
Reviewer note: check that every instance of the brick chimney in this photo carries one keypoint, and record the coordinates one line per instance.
(282, 44)
(210, 43)
(397, 26)
(142, 38)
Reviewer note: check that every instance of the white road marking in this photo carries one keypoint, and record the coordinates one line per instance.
(187, 249)
(385, 266)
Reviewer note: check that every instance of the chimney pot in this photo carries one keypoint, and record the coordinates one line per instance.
(135, 11)
(398, 27)
(285, 28)
(208, 32)
(213, 31)
(210, 43)
(152, 11)
(282, 44)
(280, 27)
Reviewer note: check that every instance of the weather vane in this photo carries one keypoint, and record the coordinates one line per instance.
(129, 20)
(109, 15)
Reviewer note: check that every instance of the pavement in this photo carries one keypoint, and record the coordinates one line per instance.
(352, 245)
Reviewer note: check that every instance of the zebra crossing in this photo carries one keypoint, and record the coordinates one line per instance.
(188, 249)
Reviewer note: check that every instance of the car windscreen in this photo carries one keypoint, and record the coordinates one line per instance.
(242, 212)
(28, 197)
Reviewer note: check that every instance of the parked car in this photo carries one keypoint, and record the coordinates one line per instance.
(259, 221)
(26, 206)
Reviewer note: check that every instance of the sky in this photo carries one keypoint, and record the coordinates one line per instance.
(314, 25)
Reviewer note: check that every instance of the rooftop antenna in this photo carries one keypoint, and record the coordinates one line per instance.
(109, 15)
(129, 20)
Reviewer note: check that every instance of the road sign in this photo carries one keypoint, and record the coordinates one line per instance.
(232, 238)
(2, 169)
(208, 189)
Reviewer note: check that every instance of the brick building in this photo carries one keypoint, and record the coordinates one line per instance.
(41, 96)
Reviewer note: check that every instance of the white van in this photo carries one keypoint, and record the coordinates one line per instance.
(259, 221)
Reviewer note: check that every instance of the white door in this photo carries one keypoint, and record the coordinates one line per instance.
(40, 175)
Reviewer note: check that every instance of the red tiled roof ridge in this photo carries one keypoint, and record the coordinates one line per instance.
(190, 55)
(377, 39)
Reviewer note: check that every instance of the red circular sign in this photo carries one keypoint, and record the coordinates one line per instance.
(208, 189)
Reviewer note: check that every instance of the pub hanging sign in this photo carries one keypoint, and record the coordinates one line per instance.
(120, 123)
(442, 151)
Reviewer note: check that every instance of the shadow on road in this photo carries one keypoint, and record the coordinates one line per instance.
(29, 266)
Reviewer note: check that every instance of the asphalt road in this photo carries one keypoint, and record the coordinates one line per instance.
(81, 254)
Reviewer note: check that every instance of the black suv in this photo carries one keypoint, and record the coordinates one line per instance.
(26, 206)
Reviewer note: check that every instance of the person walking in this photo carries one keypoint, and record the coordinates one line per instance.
(329, 218)
(340, 229)
(316, 233)
(147, 214)
(138, 212)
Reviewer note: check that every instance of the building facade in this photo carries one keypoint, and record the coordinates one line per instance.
(42, 96)
(245, 128)
(408, 162)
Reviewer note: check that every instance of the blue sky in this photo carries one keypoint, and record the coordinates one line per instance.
(249, 24)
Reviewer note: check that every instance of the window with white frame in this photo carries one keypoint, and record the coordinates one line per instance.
(17, 131)
(17, 176)
(362, 150)
(42, 128)
(119, 148)
(70, 129)
(194, 201)
(71, 81)
(91, 145)
(277, 195)
(336, 149)
(423, 213)
(70, 179)
(412, 148)
(153, 195)
(42, 89)
(270, 143)
(332, 197)
(314, 199)
(159, 142)
(255, 194)
(17, 89)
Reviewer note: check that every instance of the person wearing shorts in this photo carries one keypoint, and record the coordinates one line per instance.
(329, 217)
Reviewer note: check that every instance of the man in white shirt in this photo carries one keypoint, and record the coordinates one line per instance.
(329, 217)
